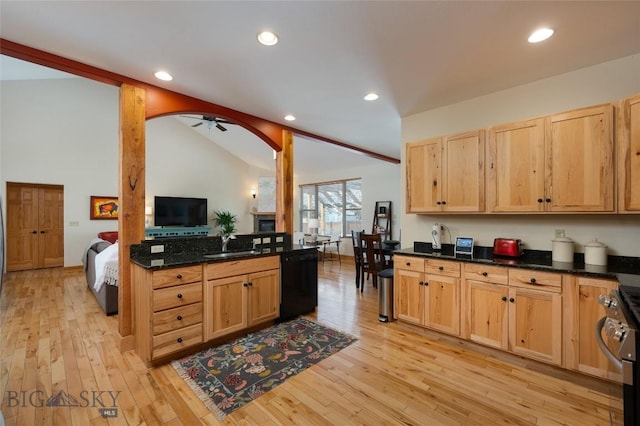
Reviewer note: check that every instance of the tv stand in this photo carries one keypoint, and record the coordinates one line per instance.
(177, 231)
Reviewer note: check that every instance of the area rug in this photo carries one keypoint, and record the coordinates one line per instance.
(229, 376)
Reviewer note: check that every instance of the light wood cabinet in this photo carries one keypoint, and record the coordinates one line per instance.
(518, 310)
(427, 293)
(579, 157)
(446, 174)
(561, 163)
(628, 150)
(169, 308)
(582, 313)
(240, 294)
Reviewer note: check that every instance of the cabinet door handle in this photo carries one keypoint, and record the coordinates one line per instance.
(548, 200)
(179, 276)
(512, 300)
(484, 274)
(34, 232)
(504, 298)
(179, 295)
(179, 339)
(426, 283)
(438, 202)
(42, 232)
(540, 200)
(444, 202)
(179, 317)
(532, 280)
(421, 283)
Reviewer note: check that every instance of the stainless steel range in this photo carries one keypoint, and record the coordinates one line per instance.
(621, 328)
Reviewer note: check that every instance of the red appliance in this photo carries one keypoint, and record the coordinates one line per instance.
(507, 247)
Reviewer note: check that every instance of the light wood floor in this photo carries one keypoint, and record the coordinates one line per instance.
(55, 337)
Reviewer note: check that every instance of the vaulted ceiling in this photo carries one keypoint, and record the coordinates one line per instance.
(415, 55)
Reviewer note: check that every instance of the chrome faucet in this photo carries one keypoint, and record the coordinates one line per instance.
(225, 241)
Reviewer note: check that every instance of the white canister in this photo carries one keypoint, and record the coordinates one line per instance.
(562, 250)
(595, 253)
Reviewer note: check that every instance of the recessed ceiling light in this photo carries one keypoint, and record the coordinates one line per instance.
(163, 75)
(289, 117)
(540, 35)
(371, 97)
(267, 38)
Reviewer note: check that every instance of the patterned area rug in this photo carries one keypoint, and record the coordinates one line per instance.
(229, 376)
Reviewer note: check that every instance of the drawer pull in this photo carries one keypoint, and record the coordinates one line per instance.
(179, 317)
(179, 276)
(532, 280)
(179, 295)
(408, 263)
(504, 298)
(179, 339)
(440, 268)
(484, 274)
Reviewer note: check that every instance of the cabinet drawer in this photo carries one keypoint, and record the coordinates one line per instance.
(242, 266)
(180, 295)
(442, 267)
(486, 273)
(529, 278)
(176, 276)
(173, 319)
(409, 263)
(167, 343)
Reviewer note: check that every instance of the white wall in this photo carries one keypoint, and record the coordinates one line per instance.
(65, 132)
(589, 86)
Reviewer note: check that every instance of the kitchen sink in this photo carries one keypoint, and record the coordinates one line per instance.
(228, 254)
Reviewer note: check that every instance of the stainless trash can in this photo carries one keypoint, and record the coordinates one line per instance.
(385, 295)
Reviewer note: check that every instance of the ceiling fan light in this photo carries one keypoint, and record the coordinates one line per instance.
(267, 38)
(540, 34)
(371, 97)
(163, 75)
(289, 117)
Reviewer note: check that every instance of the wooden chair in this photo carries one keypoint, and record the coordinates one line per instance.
(357, 255)
(373, 260)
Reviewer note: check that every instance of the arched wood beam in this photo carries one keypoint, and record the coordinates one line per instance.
(264, 127)
(161, 102)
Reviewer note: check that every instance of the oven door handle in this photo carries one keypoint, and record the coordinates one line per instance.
(603, 346)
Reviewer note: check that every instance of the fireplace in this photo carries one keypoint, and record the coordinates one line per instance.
(264, 222)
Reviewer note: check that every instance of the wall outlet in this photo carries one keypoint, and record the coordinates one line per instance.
(559, 233)
(157, 248)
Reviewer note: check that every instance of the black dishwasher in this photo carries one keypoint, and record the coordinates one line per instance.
(298, 282)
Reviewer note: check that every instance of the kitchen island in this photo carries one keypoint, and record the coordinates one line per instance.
(188, 294)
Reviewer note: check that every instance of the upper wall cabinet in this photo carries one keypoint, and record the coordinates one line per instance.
(628, 138)
(561, 163)
(446, 174)
(579, 158)
(515, 167)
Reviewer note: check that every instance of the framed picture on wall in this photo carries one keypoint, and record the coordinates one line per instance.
(103, 207)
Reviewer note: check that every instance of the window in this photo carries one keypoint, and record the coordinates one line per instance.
(337, 205)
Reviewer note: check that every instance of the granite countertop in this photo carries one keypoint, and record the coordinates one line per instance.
(169, 260)
(625, 269)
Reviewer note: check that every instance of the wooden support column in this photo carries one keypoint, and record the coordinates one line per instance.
(284, 184)
(131, 197)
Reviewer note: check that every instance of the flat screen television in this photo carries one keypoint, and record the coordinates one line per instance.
(180, 211)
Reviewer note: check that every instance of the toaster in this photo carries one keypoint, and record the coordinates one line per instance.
(507, 247)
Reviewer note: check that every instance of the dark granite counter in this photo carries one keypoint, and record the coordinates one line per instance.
(624, 269)
(183, 251)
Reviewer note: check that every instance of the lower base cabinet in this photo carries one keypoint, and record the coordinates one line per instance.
(583, 312)
(427, 293)
(240, 296)
(180, 308)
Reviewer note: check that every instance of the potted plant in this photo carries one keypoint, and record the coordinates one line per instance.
(225, 221)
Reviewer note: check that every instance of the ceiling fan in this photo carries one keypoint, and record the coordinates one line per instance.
(211, 121)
